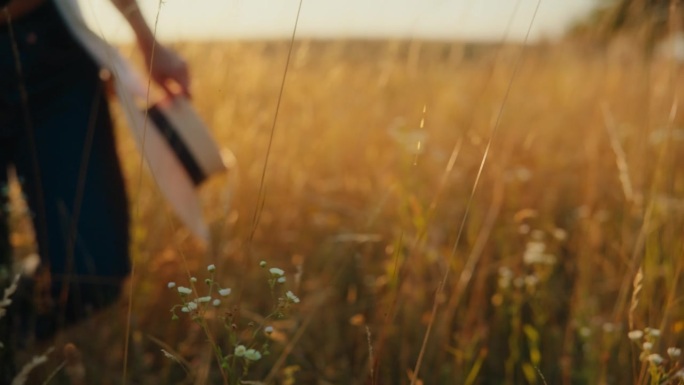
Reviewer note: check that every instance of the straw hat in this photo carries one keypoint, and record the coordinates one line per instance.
(189, 138)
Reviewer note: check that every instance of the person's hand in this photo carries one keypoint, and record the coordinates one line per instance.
(168, 70)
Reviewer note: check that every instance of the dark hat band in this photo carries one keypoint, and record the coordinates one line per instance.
(177, 144)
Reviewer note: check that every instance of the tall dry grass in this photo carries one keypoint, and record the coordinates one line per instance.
(363, 207)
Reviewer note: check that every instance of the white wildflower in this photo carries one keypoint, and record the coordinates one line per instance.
(282, 280)
(262, 263)
(655, 359)
(585, 332)
(549, 259)
(522, 174)
(192, 305)
(184, 290)
(635, 335)
(211, 268)
(535, 246)
(204, 299)
(224, 292)
(647, 346)
(674, 352)
(653, 332)
(268, 329)
(534, 252)
(240, 350)
(291, 297)
(252, 355)
(216, 302)
(505, 272)
(171, 285)
(185, 309)
(608, 327)
(276, 271)
(193, 279)
(531, 281)
(560, 234)
(505, 276)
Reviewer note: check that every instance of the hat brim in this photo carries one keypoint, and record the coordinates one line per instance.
(188, 137)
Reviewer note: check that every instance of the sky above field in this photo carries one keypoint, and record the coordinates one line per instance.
(432, 19)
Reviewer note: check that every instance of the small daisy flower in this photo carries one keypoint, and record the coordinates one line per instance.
(204, 299)
(655, 359)
(252, 355)
(185, 309)
(171, 285)
(635, 335)
(608, 327)
(276, 271)
(211, 268)
(240, 350)
(216, 302)
(193, 279)
(184, 290)
(262, 263)
(268, 330)
(291, 297)
(674, 352)
(192, 305)
(224, 292)
(282, 280)
(585, 332)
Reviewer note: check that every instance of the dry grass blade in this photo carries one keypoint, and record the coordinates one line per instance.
(35, 362)
(370, 354)
(139, 189)
(6, 301)
(261, 195)
(318, 302)
(637, 285)
(495, 128)
(170, 353)
(541, 375)
(620, 157)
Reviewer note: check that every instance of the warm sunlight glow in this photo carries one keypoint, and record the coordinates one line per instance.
(437, 19)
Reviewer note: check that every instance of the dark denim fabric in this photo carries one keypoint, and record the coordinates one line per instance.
(61, 144)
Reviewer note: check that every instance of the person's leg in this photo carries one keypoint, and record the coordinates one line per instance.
(7, 368)
(7, 353)
(86, 214)
(67, 158)
(5, 251)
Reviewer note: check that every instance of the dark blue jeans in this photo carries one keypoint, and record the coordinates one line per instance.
(56, 130)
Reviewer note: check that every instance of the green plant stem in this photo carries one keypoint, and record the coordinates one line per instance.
(212, 342)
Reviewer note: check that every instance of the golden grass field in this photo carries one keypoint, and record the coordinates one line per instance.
(374, 159)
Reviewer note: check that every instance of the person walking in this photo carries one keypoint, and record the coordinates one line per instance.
(56, 133)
